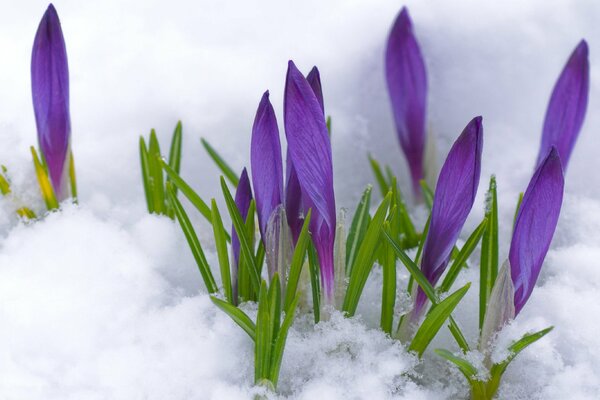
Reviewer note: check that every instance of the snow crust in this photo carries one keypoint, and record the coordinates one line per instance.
(102, 301)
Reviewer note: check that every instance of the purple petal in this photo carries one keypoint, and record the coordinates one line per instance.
(310, 153)
(293, 200)
(265, 159)
(535, 225)
(454, 196)
(314, 80)
(50, 92)
(568, 103)
(407, 86)
(243, 197)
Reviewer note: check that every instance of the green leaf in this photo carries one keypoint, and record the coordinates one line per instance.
(223, 166)
(468, 370)
(156, 175)
(515, 348)
(242, 233)
(462, 257)
(187, 190)
(313, 268)
(44, 182)
(264, 331)
(427, 194)
(175, 151)
(410, 265)
(280, 341)
(519, 201)
(365, 258)
(489, 251)
(384, 186)
(436, 317)
(388, 295)
(275, 305)
(328, 123)
(297, 263)
(193, 241)
(72, 177)
(221, 245)
(358, 228)
(238, 316)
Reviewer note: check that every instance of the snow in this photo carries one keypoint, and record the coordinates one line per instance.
(102, 301)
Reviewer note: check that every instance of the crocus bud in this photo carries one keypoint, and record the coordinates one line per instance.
(314, 80)
(407, 86)
(265, 159)
(535, 226)
(243, 198)
(50, 92)
(568, 103)
(454, 197)
(310, 153)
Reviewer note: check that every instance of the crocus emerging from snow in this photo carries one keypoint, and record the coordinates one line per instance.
(454, 196)
(243, 197)
(535, 225)
(310, 153)
(50, 91)
(568, 103)
(407, 86)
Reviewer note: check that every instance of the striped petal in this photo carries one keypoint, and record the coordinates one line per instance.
(407, 87)
(567, 107)
(310, 153)
(535, 226)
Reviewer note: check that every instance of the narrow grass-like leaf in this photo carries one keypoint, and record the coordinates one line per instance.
(388, 295)
(175, 150)
(146, 179)
(237, 315)
(275, 306)
(468, 370)
(313, 267)
(193, 241)
(489, 251)
(25, 212)
(72, 177)
(190, 193)
(358, 228)
(220, 162)
(221, 245)
(297, 263)
(156, 175)
(328, 124)
(410, 265)
(434, 320)
(427, 193)
(463, 255)
(365, 257)
(384, 186)
(4, 185)
(240, 229)
(519, 201)
(44, 182)
(245, 288)
(264, 330)
(498, 369)
(280, 341)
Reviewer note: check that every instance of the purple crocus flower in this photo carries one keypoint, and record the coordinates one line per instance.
(310, 153)
(243, 197)
(265, 158)
(293, 193)
(50, 92)
(568, 103)
(407, 86)
(535, 226)
(454, 196)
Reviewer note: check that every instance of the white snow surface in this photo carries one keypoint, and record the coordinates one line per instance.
(103, 301)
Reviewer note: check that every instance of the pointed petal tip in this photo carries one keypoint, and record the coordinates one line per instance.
(404, 19)
(582, 48)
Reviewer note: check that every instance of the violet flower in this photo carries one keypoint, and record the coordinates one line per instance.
(50, 92)
(407, 85)
(314, 80)
(535, 226)
(265, 159)
(567, 107)
(310, 153)
(454, 196)
(243, 198)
